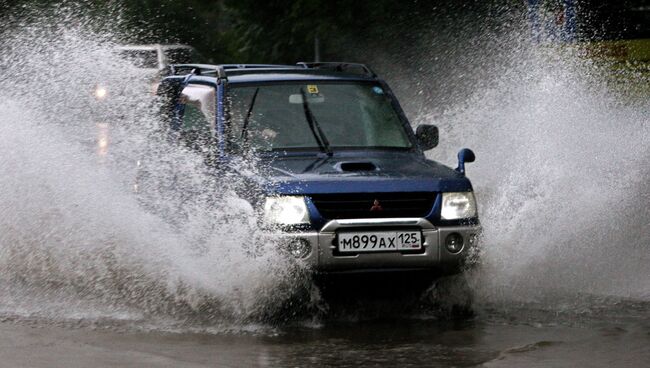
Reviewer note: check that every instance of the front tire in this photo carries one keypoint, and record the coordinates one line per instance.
(452, 296)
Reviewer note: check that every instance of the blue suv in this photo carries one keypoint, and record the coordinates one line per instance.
(346, 186)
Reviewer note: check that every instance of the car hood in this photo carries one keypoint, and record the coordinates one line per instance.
(355, 173)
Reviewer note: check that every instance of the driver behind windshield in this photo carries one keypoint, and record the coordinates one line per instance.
(314, 116)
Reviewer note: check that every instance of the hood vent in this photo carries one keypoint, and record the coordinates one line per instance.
(355, 166)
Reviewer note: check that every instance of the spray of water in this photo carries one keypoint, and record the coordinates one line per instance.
(561, 177)
(76, 241)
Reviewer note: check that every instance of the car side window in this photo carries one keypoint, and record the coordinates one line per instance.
(197, 118)
(194, 119)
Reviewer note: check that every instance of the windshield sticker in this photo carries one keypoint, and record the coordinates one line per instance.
(313, 89)
(378, 90)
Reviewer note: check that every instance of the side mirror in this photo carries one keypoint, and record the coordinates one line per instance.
(427, 136)
(464, 155)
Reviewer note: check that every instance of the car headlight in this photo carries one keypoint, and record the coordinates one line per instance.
(286, 210)
(458, 205)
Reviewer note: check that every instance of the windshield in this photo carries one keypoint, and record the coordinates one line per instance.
(314, 115)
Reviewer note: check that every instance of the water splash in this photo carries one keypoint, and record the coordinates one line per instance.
(560, 176)
(76, 241)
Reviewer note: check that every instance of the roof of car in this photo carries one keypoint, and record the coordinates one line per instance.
(255, 73)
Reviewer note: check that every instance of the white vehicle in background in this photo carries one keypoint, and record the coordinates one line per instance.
(157, 57)
(152, 60)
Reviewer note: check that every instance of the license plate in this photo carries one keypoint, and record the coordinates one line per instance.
(380, 241)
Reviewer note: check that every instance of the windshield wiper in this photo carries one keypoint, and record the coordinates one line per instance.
(244, 129)
(322, 141)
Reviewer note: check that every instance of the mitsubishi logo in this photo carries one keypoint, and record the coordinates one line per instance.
(376, 206)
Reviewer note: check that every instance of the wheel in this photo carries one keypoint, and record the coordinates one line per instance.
(452, 296)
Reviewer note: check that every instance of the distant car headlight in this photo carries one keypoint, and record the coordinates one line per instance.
(458, 205)
(101, 92)
(286, 210)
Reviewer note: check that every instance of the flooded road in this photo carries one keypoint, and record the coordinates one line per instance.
(488, 340)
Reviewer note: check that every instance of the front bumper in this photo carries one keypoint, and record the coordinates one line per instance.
(323, 255)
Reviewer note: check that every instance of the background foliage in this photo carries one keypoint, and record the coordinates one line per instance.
(239, 31)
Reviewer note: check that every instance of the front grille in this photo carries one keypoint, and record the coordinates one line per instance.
(363, 205)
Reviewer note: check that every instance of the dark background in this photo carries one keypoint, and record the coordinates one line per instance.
(277, 31)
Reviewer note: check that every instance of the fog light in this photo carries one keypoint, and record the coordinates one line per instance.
(454, 242)
(299, 248)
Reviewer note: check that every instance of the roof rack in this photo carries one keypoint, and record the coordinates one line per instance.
(343, 67)
(220, 70)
